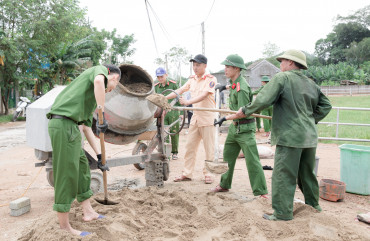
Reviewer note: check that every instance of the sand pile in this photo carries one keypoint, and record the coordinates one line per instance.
(140, 88)
(172, 213)
(159, 100)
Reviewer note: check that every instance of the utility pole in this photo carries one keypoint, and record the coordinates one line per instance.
(166, 63)
(180, 74)
(191, 65)
(203, 40)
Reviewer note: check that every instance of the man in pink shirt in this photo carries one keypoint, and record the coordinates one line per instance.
(202, 89)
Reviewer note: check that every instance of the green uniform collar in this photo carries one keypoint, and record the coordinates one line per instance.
(237, 80)
(167, 83)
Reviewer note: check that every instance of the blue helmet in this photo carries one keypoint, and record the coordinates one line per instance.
(160, 71)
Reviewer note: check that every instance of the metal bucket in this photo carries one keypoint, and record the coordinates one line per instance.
(127, 111)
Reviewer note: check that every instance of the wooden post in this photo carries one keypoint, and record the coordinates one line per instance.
(1, 104)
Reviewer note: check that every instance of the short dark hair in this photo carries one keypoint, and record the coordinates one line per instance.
(113, 69)
(299, 65)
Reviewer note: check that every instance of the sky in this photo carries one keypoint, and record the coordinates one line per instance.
(231, 26)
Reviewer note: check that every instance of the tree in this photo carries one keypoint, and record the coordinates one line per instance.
(270, 49)
(120, 47)
(33, 30)
(358, 53)
(353, 28)
(176, 57)
(361, 16)
(50, 41)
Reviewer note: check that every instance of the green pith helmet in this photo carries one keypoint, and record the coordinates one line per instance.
(234, 60)
(265, 79)
(294, 55)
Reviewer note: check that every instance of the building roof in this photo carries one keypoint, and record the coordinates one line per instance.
(258, 62)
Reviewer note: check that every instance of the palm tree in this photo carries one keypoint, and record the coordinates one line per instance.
(70, 59)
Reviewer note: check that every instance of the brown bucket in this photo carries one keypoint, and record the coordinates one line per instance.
(332, 190)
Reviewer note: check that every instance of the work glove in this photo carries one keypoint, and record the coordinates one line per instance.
(220, 87)
(219, 121)
(102, 167)
(101, 128)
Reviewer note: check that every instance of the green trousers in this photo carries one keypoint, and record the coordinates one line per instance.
(70, 166)
(258, 122)
(247, 143)
(267, 122)
(292, 165)
(169, 119)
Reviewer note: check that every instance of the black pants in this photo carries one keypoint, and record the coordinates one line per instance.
(190, 114)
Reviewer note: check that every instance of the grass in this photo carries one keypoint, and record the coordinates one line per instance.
(8, 118)
(5, 118)
(347, 116)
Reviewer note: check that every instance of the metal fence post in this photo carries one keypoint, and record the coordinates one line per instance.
(336, 134)
(217, 128)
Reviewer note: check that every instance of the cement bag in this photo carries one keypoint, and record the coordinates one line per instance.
(221, 151)
(264, 152)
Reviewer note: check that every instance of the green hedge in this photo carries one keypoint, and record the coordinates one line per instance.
(332, 74)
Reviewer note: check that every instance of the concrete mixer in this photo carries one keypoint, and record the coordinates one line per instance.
(129, 115)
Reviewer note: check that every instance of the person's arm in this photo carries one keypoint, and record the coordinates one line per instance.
(90, 138)
(267, 97)
(322, 109)
(173, 95)
(179, 91)
(194, 100)
(99, 90)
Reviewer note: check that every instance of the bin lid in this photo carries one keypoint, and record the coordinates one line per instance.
(355, 147)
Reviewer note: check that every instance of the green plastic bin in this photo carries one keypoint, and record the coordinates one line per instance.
(355, 168)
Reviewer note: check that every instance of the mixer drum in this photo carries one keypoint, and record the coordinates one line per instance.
(127, 111)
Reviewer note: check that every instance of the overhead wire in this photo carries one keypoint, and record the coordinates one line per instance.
(161, 25)
(199, 34)
(151, 28)
(163, 28)
(210, 10)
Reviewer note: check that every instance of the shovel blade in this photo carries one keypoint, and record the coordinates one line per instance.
(106, 201)
(159, 100)
(218, 168)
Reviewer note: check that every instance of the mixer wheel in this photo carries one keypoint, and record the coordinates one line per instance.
(139, 149)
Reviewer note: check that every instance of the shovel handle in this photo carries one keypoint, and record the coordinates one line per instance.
(102, 147)
(101, 135)
(218, 110)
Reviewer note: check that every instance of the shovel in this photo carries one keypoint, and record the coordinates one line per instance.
(215, 166)
(162, 102)
(102, 147)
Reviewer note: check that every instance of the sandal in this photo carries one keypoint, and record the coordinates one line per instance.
(182, 179)
(208, 180)
(174, 157)
(267, 167)
(218, 188)
(264, 196)
(269, 217)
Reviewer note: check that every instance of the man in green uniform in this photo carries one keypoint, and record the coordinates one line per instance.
(298, 105)
(75, 106)
(267, 111)
(258, 120)
(241, 133)
(164, 84)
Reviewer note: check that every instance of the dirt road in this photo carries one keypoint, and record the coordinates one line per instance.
(179, 211)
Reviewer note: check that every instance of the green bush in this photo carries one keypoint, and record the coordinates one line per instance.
(333, 73)
(5, 118)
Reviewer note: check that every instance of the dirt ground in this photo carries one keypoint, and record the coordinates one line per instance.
(179, 211)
